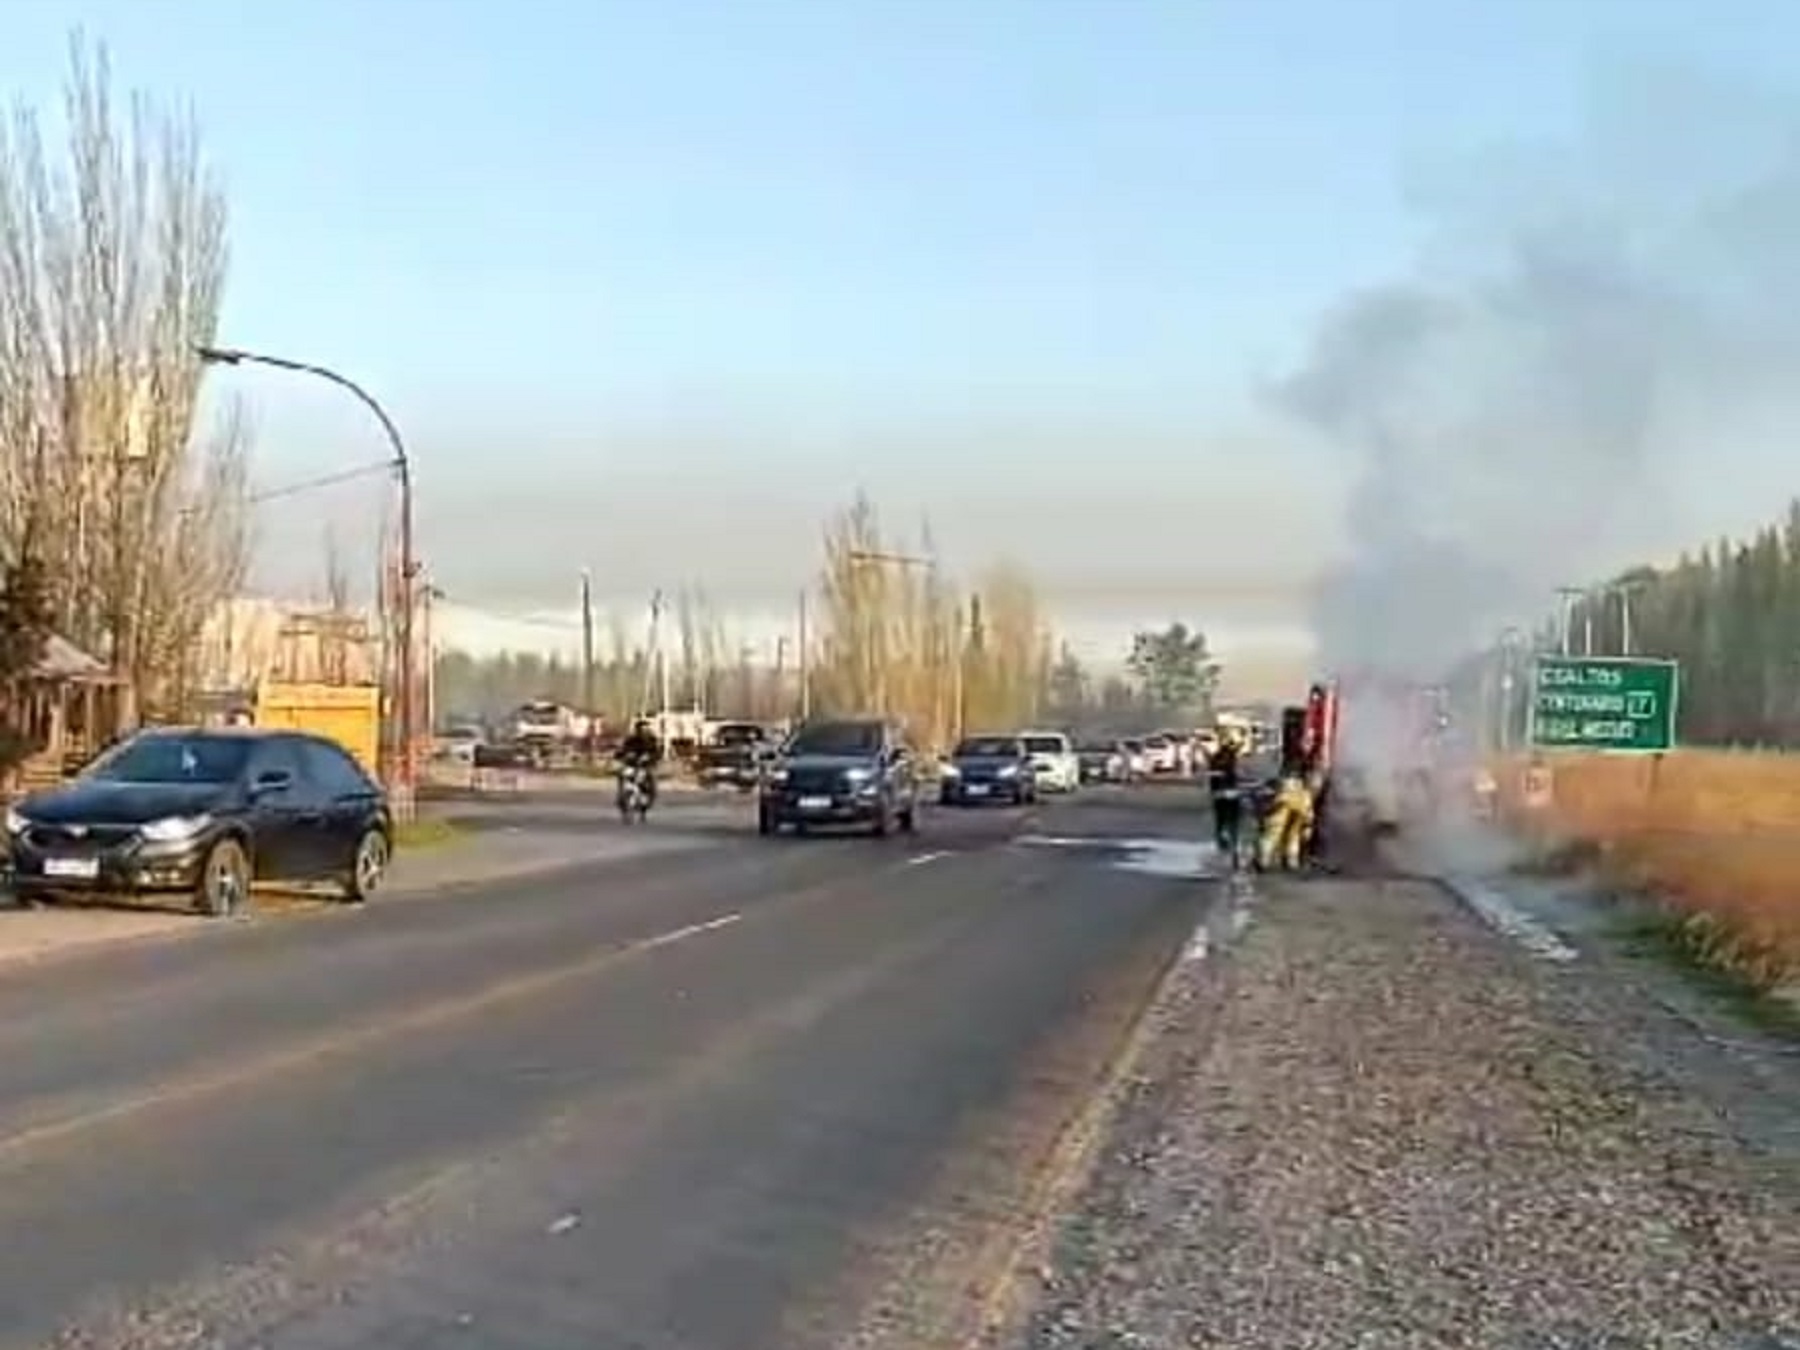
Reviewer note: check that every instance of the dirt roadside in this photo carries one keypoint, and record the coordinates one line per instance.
(1379, 1121)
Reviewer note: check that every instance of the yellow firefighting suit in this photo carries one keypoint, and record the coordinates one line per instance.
(1287, 825)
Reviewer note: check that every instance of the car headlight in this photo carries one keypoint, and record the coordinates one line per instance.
(951, 771)
(1008, 771)
(16, 823)
(173, 829)
(778, 775)
(857, 775)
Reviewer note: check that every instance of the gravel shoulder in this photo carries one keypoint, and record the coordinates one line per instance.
(1376, 1122)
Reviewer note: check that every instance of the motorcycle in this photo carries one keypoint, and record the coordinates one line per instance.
(634, 793)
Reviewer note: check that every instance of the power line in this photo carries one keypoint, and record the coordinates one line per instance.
(323, 481)
(570, 625)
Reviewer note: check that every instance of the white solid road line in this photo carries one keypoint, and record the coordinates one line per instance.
(1505, 917)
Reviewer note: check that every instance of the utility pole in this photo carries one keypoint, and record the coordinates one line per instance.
(805, 663)
(429, 595)
(901, 560)
(1625, 589)
(662, 670)
(654, 665)
(587, 660)
(1569, 595)
(746, 690)
(1508, 642)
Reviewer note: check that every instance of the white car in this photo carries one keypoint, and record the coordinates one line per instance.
(1137, 761)
(1053, 760)
(1160, 755)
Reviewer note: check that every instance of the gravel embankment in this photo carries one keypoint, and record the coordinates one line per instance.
(1376, 1123)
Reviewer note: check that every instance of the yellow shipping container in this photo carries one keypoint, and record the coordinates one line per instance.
(348, 714)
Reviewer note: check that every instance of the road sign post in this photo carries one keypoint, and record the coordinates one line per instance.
(1611, 703)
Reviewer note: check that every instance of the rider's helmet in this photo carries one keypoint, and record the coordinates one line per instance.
(641, 725)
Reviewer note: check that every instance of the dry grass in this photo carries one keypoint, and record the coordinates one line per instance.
(1715, 832)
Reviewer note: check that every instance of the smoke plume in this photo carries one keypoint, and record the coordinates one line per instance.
(1595, 353)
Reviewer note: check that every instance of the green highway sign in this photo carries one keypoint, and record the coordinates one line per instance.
(1603, 703)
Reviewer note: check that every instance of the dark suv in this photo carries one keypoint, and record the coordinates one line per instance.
(840, 772)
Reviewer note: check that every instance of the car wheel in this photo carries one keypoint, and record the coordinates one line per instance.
(224, 880)
(883, 822)
(909, 822)
(368, 865)
(946, 799)
(766, 823)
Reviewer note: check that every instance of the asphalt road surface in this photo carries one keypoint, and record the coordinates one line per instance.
(763, 1093)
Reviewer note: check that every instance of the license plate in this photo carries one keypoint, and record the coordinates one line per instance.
(976, 789)
(85, 869)
(815, 803)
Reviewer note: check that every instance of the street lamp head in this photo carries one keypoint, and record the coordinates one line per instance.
(218, 356)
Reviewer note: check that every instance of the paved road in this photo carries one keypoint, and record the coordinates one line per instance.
(731, 1096)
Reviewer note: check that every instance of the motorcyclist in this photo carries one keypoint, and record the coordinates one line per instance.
(1224, 783)
(642, 749)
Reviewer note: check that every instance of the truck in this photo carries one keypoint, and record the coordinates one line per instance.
(546, 732)
(1389, 743)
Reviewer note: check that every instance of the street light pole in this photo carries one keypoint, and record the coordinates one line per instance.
(234, 356)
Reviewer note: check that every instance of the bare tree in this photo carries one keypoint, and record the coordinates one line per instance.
(894, 636)
(112, 265)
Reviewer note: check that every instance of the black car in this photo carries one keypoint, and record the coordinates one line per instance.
(204, 812)
(988, 769)
(845, 772)
(1102, 762)
(735, 757)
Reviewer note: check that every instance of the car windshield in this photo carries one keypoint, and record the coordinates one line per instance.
(1044, 745)
(1096, 748)
(739, 735)
(1157, 743)
(977, 747)
(836, 738)
(174, 759)
(1134, 746)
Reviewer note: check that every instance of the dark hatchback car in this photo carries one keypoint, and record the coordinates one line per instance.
(205, 813)
(1102, 762)
(988, 769)
(846, 772)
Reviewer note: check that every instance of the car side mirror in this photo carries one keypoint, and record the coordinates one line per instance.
(271, 780)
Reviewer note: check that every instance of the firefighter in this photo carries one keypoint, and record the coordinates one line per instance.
(1288, 821)
(1287, 825)
(1225, 784)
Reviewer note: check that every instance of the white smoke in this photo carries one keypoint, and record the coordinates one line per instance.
(1598, 373)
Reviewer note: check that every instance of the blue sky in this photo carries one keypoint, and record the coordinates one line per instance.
(651, 284)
